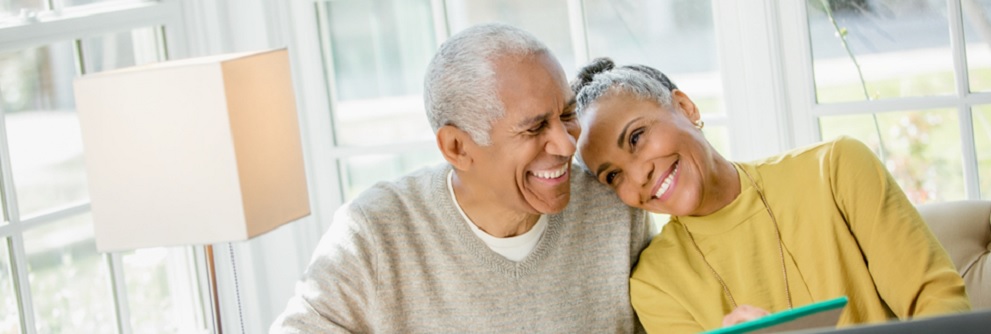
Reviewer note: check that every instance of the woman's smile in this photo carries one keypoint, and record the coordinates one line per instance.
(667, 182)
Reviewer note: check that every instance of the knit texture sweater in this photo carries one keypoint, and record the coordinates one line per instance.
(847, 230)
(400, 259)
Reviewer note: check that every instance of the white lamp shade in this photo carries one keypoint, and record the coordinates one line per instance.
(197, 151)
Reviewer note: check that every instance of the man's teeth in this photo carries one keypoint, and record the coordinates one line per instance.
(552, 174)
(666, 183)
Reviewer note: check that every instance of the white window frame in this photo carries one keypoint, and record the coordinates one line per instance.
(805, 111)
(68, 24)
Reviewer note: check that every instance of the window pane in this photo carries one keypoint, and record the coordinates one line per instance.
(718, 136)
(644, 31)
(380, 50)
(42, 127)
(921, 149)
(68, 3)
(362, 172)
(902, 48)
(546, 19)
(3, 205)
(977, 31)
(982, 144)
(120, 50)
(382, 121)
(70, 281)
(161, 290)
(9, 311)
(9, 10)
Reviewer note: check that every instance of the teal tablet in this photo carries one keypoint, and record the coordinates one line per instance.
(816, 310)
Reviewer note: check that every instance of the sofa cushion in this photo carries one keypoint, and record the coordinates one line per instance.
(964, 230)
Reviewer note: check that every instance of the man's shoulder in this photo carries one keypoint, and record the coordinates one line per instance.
(594, 200)
(414, 186)
(584, 187)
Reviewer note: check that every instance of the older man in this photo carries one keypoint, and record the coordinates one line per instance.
(487, 242)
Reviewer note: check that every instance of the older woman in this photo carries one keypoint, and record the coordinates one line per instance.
(812, 224)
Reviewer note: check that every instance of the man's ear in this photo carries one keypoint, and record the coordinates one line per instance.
(453, 144)
(685, 105)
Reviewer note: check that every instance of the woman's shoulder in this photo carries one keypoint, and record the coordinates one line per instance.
(666, 248)
(822, 153)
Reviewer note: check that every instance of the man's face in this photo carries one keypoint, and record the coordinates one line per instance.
(528, 163)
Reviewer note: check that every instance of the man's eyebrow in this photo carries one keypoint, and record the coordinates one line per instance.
(570, 103)
(526, 122)
(602, 168)
(622, 134)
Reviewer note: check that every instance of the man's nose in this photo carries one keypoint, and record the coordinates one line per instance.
(560, 141)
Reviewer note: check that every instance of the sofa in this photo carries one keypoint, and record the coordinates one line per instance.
(964, 230)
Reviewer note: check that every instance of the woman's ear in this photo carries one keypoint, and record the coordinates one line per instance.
(452, 143)
(681, 101)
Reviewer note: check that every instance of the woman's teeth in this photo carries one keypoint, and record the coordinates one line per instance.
(666, 183)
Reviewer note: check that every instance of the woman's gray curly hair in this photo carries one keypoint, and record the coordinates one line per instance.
(601, 78)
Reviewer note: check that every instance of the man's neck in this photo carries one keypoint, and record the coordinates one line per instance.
(488, 215)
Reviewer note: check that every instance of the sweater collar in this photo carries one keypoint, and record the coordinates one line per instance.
(744, 206)
(476, 248)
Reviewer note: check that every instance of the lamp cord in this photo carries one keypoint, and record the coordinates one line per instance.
(237, 288)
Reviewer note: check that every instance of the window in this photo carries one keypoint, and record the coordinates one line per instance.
(52, 279)
(908, 78)
(376, 53)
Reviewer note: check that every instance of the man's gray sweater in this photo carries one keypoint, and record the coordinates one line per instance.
(400, 259)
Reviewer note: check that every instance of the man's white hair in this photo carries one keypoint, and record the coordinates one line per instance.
(460, 89)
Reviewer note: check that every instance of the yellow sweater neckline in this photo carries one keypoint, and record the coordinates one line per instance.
(745, 205)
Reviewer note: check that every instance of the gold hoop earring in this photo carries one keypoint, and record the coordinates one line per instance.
(699, 124)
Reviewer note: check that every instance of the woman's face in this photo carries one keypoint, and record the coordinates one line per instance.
(652, 157)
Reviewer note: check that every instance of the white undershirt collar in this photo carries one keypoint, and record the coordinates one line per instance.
(514, 248)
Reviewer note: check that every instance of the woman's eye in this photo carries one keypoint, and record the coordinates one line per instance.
(611, 177)
(635, 138)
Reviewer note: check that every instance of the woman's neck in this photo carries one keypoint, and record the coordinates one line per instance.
(721, 186)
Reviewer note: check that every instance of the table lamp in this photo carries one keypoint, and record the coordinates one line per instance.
(192, 152)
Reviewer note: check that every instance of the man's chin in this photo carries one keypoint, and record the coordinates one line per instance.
(550, 204)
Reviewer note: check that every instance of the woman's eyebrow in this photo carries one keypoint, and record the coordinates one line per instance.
(622, 134)
(602, 168)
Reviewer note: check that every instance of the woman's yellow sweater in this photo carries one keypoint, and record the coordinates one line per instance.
(847, 229)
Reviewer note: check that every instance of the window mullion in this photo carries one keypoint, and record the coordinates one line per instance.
(19, 267)
(442, 30)
(958, 44)
(965, 120)
(797, 63)
(18, 264)
(579, 32)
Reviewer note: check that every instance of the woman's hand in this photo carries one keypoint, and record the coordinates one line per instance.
(743, 313)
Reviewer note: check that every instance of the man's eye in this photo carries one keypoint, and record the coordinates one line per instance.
(568, 116)
(537, 128)
(611, 177)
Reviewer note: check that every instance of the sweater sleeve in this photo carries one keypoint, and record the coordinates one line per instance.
(337, 289)
(658, 311)
(912, 272)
